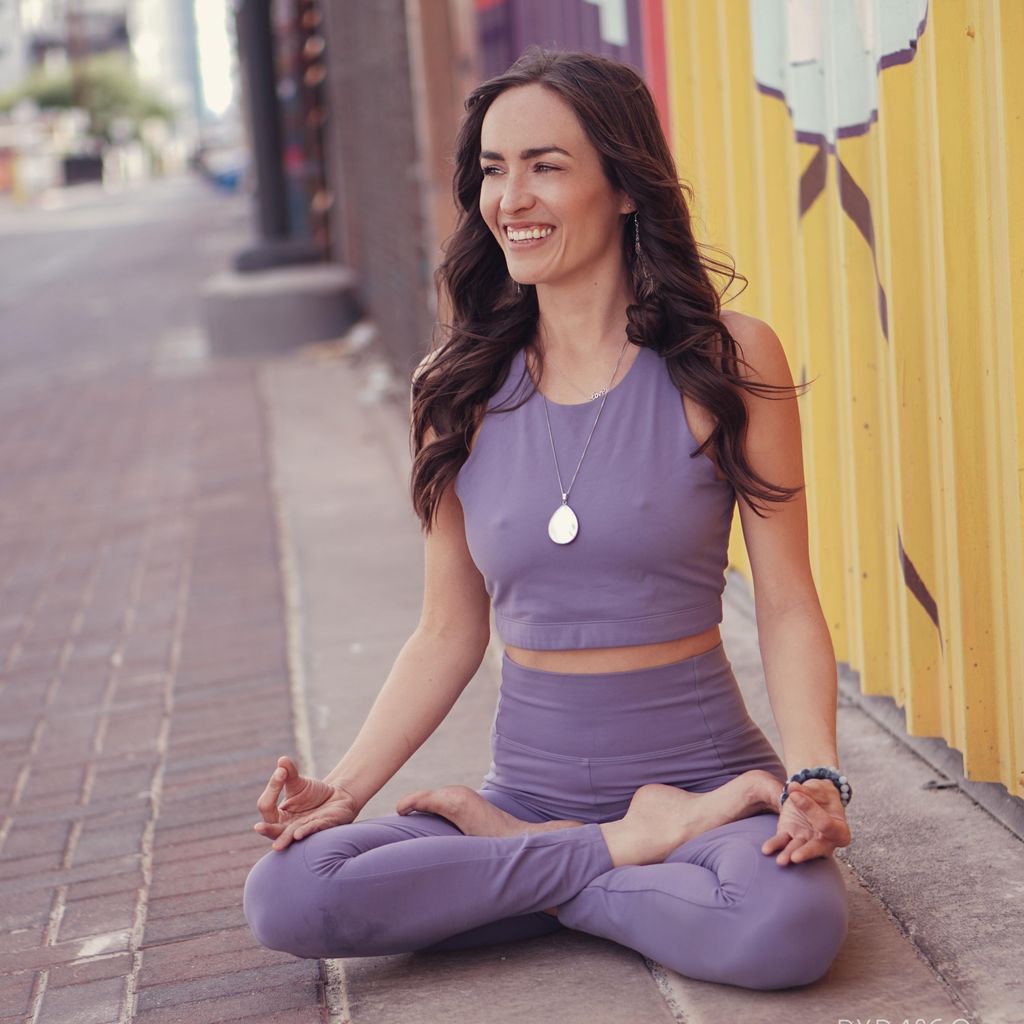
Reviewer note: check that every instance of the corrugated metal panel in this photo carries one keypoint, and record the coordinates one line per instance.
(863, 164)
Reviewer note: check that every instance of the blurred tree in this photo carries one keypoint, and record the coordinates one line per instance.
(113, 95)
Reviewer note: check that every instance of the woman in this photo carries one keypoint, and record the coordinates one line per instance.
(581, 438)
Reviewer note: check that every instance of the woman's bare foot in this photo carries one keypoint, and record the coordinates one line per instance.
(660, 817)
(471, 814)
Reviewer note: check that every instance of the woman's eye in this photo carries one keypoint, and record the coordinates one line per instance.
(539, 167)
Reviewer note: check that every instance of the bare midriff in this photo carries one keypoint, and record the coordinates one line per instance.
(616, 659)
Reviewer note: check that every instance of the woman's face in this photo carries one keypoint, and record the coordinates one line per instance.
(562, 191)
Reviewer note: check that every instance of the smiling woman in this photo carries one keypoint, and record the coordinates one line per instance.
(547, 186)
(630, 795)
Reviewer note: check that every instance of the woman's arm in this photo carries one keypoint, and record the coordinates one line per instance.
(796, 648)
(429, 674)
(800, 676)
(436, 662)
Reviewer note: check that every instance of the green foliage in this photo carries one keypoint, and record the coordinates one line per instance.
(110, 90)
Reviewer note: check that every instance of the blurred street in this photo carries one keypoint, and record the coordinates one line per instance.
(96, 280)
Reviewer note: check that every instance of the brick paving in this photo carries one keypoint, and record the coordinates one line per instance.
(144, 698)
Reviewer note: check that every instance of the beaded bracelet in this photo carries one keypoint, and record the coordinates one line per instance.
(829, 772)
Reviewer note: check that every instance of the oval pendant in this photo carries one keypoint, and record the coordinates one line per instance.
(563, 525)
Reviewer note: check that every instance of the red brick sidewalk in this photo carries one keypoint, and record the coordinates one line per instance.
(144, 698)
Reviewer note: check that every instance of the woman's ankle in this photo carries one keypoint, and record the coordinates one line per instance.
(625, 845)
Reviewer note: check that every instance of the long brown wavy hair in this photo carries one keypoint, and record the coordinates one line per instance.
(678, 313)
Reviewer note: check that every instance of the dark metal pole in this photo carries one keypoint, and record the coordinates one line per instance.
(256, 38)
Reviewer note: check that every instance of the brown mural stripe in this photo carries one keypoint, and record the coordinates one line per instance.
(917, 586)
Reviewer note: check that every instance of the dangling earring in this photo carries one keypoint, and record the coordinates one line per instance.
(648, 277)
(519, 290)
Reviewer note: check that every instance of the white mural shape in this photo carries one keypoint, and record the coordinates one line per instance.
(823, 58)
(611, 21)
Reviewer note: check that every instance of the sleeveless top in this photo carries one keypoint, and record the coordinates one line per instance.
(648, 563)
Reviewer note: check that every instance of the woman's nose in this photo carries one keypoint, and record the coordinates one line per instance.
(515, 196)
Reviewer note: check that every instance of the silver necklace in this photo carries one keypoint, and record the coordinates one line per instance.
(564, 524)
(589, 397)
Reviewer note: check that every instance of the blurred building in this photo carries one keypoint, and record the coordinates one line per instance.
(57, 31)
(352, 109)
(163, 42)
(13, 58)
(158, 35)
(159, 41)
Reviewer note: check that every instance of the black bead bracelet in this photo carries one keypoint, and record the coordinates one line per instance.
(829, 772)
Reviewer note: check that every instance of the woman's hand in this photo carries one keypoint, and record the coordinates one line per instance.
(309, 805)
(812, 823)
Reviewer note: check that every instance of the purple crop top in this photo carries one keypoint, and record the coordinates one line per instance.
(648, 563)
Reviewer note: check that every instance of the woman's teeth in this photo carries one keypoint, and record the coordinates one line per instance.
(528, 233)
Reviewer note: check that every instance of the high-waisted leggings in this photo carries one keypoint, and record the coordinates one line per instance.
(574, 746)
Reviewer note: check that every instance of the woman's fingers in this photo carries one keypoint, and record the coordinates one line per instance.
(282, 778)
(281, 834)
(811, 849)
(269, 829)
(777, 842)
(267, 802)
(832, 827)
(787, 854)
(807, 829)
(284, 839)
(798, 822)
(298, 830)
(785, 842)
(286, 833)
(308, 827)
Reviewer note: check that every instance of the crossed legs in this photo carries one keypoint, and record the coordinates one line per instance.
(712, 906)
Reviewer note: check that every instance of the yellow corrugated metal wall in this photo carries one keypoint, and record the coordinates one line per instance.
(863, 162)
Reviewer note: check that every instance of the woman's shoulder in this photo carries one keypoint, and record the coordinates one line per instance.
(760, 345)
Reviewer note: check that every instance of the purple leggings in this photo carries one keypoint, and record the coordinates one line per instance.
(578, 747)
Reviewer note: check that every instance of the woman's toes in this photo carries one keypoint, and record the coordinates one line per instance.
(410, 802)
(469, 812)
(465, 809)
(448, 801)
(449, 798)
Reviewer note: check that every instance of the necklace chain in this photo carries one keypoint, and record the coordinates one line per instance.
(564, 491)
(592, 396)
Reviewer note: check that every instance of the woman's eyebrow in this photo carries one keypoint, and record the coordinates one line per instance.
(526, 154)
